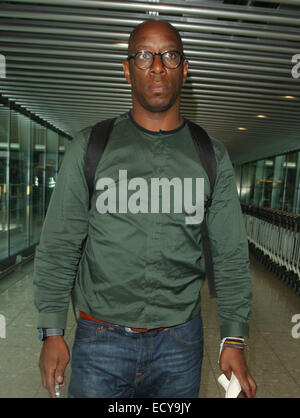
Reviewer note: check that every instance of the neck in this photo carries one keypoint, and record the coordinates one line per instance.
(156, 121)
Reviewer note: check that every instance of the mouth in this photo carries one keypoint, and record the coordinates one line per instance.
(158, 87)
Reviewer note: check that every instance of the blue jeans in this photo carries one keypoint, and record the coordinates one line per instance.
(108, 361)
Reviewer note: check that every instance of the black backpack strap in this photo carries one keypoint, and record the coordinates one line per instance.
(207, 157)
(97, 143)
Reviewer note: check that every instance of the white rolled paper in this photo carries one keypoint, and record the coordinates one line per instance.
(232, 387)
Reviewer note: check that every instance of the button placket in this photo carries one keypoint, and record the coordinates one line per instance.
(153, 247)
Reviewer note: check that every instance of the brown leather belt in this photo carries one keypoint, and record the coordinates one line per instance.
(84, 315)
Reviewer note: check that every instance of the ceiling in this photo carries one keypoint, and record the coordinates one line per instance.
(64, 64)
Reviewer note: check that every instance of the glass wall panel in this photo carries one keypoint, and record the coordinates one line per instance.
(51, 163)
(278, 182)
(4, 120)
(19, 165)
(269, 164)
(238, 171)
(273, 182)
(37, 180)
(296, 204)
(30, 156)
(247, 183)
(259, 183)
(290, 181)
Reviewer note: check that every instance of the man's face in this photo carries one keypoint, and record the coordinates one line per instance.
(158, 88)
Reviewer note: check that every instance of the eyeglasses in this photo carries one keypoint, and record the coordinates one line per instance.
(144, 59)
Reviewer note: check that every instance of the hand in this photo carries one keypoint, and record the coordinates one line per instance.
(233, 360)
(54, 358)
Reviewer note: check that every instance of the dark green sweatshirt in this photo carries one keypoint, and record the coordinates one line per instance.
(142, 266)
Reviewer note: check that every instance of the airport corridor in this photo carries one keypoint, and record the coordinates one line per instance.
(118, 119)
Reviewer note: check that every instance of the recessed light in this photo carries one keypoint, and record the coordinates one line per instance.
(261, 116)
(289, 97)
(241, 128)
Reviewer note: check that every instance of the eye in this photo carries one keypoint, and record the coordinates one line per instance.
(171, 55)
(143, 56)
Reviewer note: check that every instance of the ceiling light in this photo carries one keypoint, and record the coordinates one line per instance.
(261, 116)
(289, 97)
(241, 128)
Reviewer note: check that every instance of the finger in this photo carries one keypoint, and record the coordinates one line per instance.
(249, 386)
(43, 378)
(59, 377)
(253, 385)
(247, 390)
(42, 371)
(61, 385)
(50, 381)
(246, 387)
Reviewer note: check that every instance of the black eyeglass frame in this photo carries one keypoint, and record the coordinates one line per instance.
(181, 54)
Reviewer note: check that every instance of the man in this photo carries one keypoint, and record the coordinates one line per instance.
(140, 331)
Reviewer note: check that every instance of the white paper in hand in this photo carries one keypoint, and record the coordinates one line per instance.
(232, 387)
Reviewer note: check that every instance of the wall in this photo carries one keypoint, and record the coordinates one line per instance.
(30, 156)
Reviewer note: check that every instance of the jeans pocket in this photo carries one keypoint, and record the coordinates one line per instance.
(190, 333)
(86, 333)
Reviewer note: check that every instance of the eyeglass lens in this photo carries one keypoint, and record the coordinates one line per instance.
(170, 59)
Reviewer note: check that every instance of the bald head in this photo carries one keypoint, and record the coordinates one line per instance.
(152, 25)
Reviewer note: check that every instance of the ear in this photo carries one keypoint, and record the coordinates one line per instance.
(185, 70)
(126, 70)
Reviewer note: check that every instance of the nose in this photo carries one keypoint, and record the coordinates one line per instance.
(157, 65)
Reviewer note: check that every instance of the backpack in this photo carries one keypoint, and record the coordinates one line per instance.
(97, 142)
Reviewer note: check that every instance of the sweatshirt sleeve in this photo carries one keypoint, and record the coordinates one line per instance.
(64, 230)
(230, 251)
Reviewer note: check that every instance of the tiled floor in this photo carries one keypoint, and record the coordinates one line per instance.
(273, 354)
